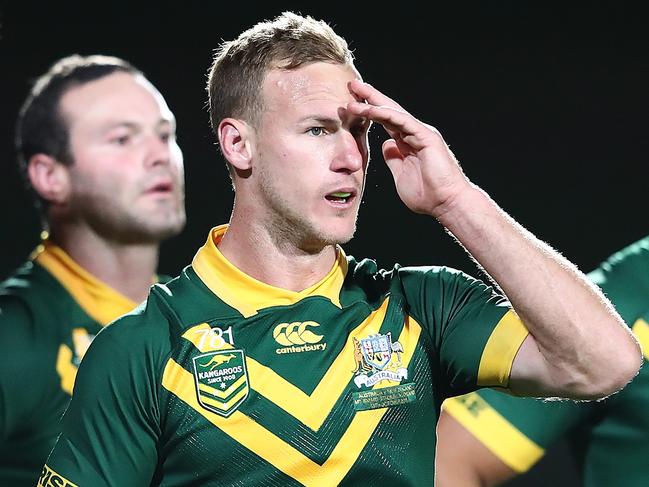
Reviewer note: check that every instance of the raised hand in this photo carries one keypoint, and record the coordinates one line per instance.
(426, 174)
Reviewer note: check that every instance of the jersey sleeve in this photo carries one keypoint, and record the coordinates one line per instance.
(110, 429)
(474, 331)
(517, 430)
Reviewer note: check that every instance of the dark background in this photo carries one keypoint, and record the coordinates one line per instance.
(545, 106)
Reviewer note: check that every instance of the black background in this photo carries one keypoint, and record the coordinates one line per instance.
(544, 105)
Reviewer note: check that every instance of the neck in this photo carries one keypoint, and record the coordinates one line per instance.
(127, 268)
(254, 250)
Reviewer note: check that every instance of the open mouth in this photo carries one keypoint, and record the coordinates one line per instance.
(340, 197)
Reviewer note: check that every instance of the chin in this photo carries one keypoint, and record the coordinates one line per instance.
(339, 236)
(162, 228)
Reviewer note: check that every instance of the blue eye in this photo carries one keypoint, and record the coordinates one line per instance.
(316, 131)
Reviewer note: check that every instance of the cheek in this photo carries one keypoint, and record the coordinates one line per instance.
(106, 177)
(177, 159)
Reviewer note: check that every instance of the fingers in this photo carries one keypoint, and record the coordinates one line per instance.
(399, 124)
(393, 157)
(365, 91)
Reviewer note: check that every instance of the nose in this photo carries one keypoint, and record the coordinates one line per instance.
(159, 151)
(351, 154)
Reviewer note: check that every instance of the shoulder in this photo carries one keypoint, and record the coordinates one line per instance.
(442, 281)
(28, 280)
(131, 349)
(155, 325)
(631, 262)
(624, 278)
(419, 284)
(145, 324)
(368, 270)
(34, 286)
(27, 297)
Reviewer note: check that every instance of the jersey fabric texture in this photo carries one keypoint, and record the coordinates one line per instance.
(221, 380)
(50, 309)
(610, 438)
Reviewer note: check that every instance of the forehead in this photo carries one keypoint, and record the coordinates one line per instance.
(316, 84)
(115, 98)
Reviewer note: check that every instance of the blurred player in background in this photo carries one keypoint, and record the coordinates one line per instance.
(96, 141)
(487, 437)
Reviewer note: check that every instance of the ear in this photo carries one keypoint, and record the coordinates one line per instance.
(235, 141)
(49, 178)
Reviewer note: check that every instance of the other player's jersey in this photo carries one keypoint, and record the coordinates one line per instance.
(222, 380)
(50, 309)
(610, 438)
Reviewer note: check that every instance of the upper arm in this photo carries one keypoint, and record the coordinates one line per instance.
(531, 375)
(472, 327)
(489, 436)
(463, 461)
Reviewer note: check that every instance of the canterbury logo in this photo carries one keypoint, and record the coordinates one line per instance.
(296, 333)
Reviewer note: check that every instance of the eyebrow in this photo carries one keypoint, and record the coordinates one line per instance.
(320, 119)
(336, 121)
(163, 122)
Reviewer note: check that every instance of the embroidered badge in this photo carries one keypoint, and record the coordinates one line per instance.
(221, 380)
(378, 358)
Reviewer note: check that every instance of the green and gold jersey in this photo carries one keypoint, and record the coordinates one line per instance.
(50, 310)
(220, 379)
(610, 438)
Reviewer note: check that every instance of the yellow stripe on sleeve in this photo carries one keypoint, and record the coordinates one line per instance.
(501, 437)
(641, 331)
(500, 351)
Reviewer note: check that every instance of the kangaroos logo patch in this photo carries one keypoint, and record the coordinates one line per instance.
(221, 380)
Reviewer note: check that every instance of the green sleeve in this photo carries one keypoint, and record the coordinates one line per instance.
(111, 428)
(517, 430)
(474, 333)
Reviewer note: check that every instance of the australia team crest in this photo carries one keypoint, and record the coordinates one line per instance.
(378, 358)
(221, 380)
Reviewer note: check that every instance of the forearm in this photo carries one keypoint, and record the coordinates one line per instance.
(584, 346)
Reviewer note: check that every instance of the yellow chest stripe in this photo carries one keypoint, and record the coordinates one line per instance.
(313, 409)
(273, 449)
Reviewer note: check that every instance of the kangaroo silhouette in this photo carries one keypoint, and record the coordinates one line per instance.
(217, 360)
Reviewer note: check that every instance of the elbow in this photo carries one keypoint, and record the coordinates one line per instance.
(613, 374)
(627, 366)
